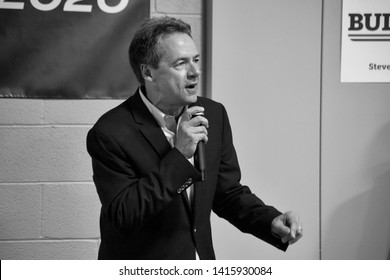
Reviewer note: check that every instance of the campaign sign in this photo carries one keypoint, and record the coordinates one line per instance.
(68, 48)
(365, 53)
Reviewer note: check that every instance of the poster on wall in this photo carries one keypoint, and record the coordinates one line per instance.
(69, 49)
(365, 51)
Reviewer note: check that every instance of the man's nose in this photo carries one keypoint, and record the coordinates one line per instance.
(194, 70)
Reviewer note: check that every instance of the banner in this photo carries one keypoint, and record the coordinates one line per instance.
(68, 48)
(365, 53)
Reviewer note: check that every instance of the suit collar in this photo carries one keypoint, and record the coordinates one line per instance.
(139, 110)
(148, 126)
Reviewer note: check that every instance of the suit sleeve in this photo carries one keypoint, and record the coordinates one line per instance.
(129, 199)
(235, 202)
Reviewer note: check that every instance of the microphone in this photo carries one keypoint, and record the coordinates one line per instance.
(199, 156)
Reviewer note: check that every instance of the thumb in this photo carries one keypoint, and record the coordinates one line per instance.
(283, 230)
(280, 229)
(193, 111)
(186, 116)
(283, 233)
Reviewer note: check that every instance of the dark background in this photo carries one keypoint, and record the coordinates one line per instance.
(58, 54)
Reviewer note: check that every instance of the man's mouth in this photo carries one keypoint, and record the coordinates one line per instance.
(191, 86)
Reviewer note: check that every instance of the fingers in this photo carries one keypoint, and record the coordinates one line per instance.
(192, 111)
(295, 227)
(300, 231)
(199, 121)
(192, 129)
(194, 116)
(281, 231)
(293, 240)
(195, 123)
(196, 128)
(196, 134)
(287, 227)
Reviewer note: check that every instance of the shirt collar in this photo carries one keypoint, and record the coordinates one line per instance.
(164, 120)
(157, 114)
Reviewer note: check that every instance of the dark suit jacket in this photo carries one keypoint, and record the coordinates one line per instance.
(141, 180)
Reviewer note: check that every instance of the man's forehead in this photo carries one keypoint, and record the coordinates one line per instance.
(176, 45)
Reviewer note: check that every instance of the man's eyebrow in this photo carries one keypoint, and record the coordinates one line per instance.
(185, 58)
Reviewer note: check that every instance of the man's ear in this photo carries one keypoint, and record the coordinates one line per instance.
(146, 73)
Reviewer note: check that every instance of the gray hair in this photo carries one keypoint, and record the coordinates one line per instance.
(143, 47)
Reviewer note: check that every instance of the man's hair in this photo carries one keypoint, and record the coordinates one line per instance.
(143, 47)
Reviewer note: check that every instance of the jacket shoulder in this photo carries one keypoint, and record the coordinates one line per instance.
(210, 104)
(213, 108)
(115, 117)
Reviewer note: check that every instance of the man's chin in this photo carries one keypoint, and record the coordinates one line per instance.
(192, 99)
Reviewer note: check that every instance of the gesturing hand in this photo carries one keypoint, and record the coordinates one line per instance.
(287, 227)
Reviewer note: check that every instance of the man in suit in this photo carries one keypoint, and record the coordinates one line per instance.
(154, 203)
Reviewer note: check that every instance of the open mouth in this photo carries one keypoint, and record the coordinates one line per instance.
(191, 86)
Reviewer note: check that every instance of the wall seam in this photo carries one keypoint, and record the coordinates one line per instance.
(46, 183)
(320, 129)
(49, 240)
(70, 125)
(41, 211)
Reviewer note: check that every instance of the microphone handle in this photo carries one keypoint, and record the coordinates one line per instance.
(201, 160)
(200, 153)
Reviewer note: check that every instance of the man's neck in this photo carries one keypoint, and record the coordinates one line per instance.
(172, 110)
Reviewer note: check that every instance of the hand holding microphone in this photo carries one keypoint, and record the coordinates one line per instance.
(192, 136)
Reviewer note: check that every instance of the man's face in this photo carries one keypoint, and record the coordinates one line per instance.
(176, 78)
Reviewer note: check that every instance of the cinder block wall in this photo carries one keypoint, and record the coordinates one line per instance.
(49, 208)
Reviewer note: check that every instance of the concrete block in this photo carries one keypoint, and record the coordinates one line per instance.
(196, 29)
(44, 154)
(20, 211)
(49, 250)
(21, 111)
(77, 111)
(70, 211)
(152, 6)
(179, 6)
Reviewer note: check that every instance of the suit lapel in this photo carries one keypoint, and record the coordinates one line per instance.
(148, 126)
(151, 130)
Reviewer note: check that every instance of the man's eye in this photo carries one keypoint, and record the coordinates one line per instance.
(181, 63)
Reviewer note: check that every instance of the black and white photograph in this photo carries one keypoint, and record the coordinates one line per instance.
(195, 138)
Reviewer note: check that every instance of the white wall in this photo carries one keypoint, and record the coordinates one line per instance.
(355, 157)
(303, 142)
(266, 71)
